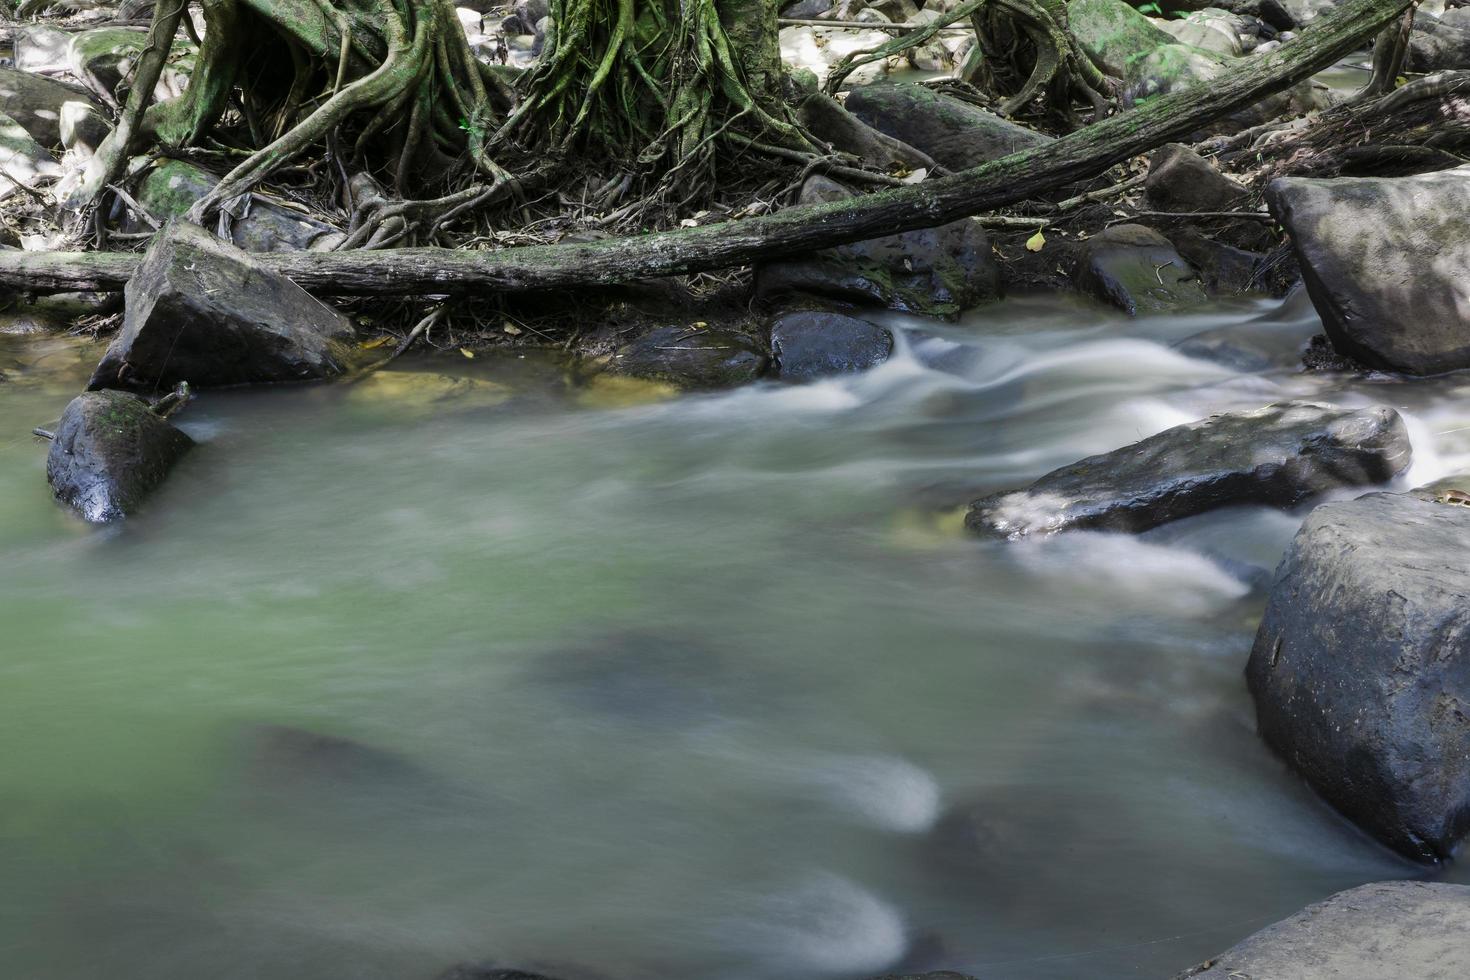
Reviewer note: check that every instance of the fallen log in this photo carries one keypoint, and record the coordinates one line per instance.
(1009, 180)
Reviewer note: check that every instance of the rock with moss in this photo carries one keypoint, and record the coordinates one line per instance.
(1212, 29)
(104, 57)
(933, 272)
(109, 452)
(35, 102)
(1137, 270)
(202, 311)
(692, 357)
(956, 134)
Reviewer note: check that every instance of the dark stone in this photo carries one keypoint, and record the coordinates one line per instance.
(202, 311)
(1279, 456)
(1223, 269)
(933, 272)
(1137, 270)
(1361, 667)
(1385, 261)
(692, 357)
(1385, 929)
(1319, 357)
(109, 452)
(35, 102)
(1181, 180)
(806, 9)
(812, 344)
(827, 120)
(1437, 46)
(956, 134)
(472, 971)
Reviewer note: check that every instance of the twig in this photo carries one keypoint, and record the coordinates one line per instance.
(38, 431)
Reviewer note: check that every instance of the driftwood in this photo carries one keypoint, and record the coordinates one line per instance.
(1009, 180)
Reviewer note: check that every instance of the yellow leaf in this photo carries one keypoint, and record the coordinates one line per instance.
(467, 352)
(1035, 242)
(511, 329)
(374, 344)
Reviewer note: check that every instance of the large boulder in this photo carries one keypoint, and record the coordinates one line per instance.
(1438, 46)
(956, 134)
(1386, 929)
(202, 311)
(109, 452)
(1387, 263)
(1279, 456)
(694, 357)
(812, 344)
(1361, 667)
(39, 48)
(1211, 29)
(934, 271)
(1286, 15)
(104, 59)
(171, 187)
(1137, 270)
(35, 102)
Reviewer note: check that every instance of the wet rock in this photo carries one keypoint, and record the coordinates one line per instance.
(1181, 180)
(935, 272)
(1385, 261)
(1137, 270)
(171, 187)
(1279, 456)
(35, 102)
(811, 344)
(109, 452)
(956, 134)
(692, 357)
(1223, 269)
(1385, 929)
(23, 159)
(1438, 46)
(1274, 339)
(1361, 667)
(201, 311)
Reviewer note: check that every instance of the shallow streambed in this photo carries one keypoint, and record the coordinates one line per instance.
(685, 688)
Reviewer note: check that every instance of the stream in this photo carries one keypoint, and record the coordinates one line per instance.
(466, 663)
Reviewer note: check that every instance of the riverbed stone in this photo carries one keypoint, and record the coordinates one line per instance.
(1180, 180)
(1137, 270)
(933, 271)
(1360, 670)
(812, 344)
(693, 357)
(1278, 456)
(202, 311)
(1437, 46)
(956, 134)
(1384, 929)
(35, 102)
(1386, 261)
(109, 452)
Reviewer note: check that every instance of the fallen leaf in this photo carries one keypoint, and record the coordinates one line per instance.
(374, 344)
(511, 329)
(1035, 242)
(467, 352)
(914, 176)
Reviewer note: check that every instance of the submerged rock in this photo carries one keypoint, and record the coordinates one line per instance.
(934, 272)
(1279, 456)
(692, 357)
(1361, 667)
(811, 344)
(1137, 270)
(1385, 929)
(201, 311)
(35, 102)
(1387, 263)
(109, 452)
(956, 134)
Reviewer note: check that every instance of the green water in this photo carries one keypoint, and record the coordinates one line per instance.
(674, 688)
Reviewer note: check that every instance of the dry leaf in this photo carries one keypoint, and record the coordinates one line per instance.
(914, 176)
(374, 344)
(467, 352)
(1035, 242)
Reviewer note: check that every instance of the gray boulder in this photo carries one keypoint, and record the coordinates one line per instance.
(1279, 456)
(41, 48)
(201, 311)
(35, 102)
(1386, 929)
(934, 271)
(692, 357)
(22, 158)
(956, 134)
(1181, 180)
(825, 119)
(1286, 15)
(1137, 270)
(1386, 261)
(1438, 46)
(812, 344)
(1361, 667)
(109, 452)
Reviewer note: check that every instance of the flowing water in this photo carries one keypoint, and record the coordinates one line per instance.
(707, 688)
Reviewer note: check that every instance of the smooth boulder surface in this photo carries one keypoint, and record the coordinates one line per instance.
(1386, 261)
(1438, 46)
(692, 357)
(1137, 270)
(1179, 179)
(35, 102)
(1361, 667)
(933, 271)
(812, 344)
(202, 311)
(22, 158)
(1388, 929)
(1279, 456)
(109, 452)
(956, 134)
